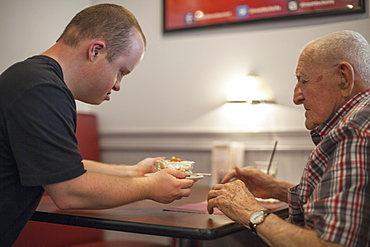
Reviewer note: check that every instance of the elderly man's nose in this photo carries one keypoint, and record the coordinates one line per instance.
(297, 96)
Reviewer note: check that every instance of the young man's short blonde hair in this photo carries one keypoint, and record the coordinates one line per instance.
(111, 23)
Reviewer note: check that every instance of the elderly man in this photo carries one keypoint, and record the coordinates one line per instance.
(38, 147)
(330, 205)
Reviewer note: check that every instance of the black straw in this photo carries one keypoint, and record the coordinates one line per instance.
(272, 157)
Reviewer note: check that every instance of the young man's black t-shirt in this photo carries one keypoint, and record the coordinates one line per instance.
(37, 139)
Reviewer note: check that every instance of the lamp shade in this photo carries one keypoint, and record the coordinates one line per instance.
(250, 89)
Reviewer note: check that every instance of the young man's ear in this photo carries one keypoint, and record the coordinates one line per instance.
(96, 48)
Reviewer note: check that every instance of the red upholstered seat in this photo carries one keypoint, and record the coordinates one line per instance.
(119, 243)
(40, 234)
(88, 136)
(37, 234)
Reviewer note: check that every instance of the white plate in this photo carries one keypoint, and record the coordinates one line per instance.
(194, 176)
(201, 174)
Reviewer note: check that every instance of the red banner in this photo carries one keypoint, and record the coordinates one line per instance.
(183, 14)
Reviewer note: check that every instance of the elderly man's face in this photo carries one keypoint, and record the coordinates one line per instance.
(317, 89)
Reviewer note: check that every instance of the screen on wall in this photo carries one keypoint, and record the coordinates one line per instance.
(188, 14)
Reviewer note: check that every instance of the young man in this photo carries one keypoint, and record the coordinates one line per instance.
(38, 147)
(330, 205)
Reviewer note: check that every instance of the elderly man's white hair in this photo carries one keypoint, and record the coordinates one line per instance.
(346, 45)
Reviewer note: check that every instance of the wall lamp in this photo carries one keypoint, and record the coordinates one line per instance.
(250, 89)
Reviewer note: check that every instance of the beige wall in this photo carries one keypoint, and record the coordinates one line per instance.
(180, 85)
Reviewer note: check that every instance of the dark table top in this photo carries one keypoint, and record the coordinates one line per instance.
(146, 217)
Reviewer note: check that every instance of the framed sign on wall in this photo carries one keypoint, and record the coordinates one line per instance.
(190, 14)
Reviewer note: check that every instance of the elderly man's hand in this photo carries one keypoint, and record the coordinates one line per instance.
(258, 183)
(234, 200)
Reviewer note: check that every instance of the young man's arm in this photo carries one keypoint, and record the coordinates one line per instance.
(99, 191)
(137, 170)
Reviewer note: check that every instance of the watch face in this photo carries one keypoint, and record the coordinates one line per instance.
(257, 217)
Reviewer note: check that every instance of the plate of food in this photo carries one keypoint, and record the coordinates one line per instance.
(174, 163)
(182, 165)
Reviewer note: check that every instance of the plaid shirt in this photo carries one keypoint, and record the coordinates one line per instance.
(333, 196)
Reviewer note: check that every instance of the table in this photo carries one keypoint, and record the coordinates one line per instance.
(146, 217)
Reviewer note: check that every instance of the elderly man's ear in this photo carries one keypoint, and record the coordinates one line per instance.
(346, 79)
(342, 82)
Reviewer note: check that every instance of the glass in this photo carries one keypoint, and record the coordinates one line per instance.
(263, 166)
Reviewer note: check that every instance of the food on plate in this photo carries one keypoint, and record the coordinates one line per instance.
(174, 163)
(174, 159)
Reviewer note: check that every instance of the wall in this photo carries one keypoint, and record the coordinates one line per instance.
(180, 84)
(292, 150)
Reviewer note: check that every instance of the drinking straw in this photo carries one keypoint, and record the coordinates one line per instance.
(272, 157)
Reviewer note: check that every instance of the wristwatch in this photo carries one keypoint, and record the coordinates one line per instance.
(257, 218)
